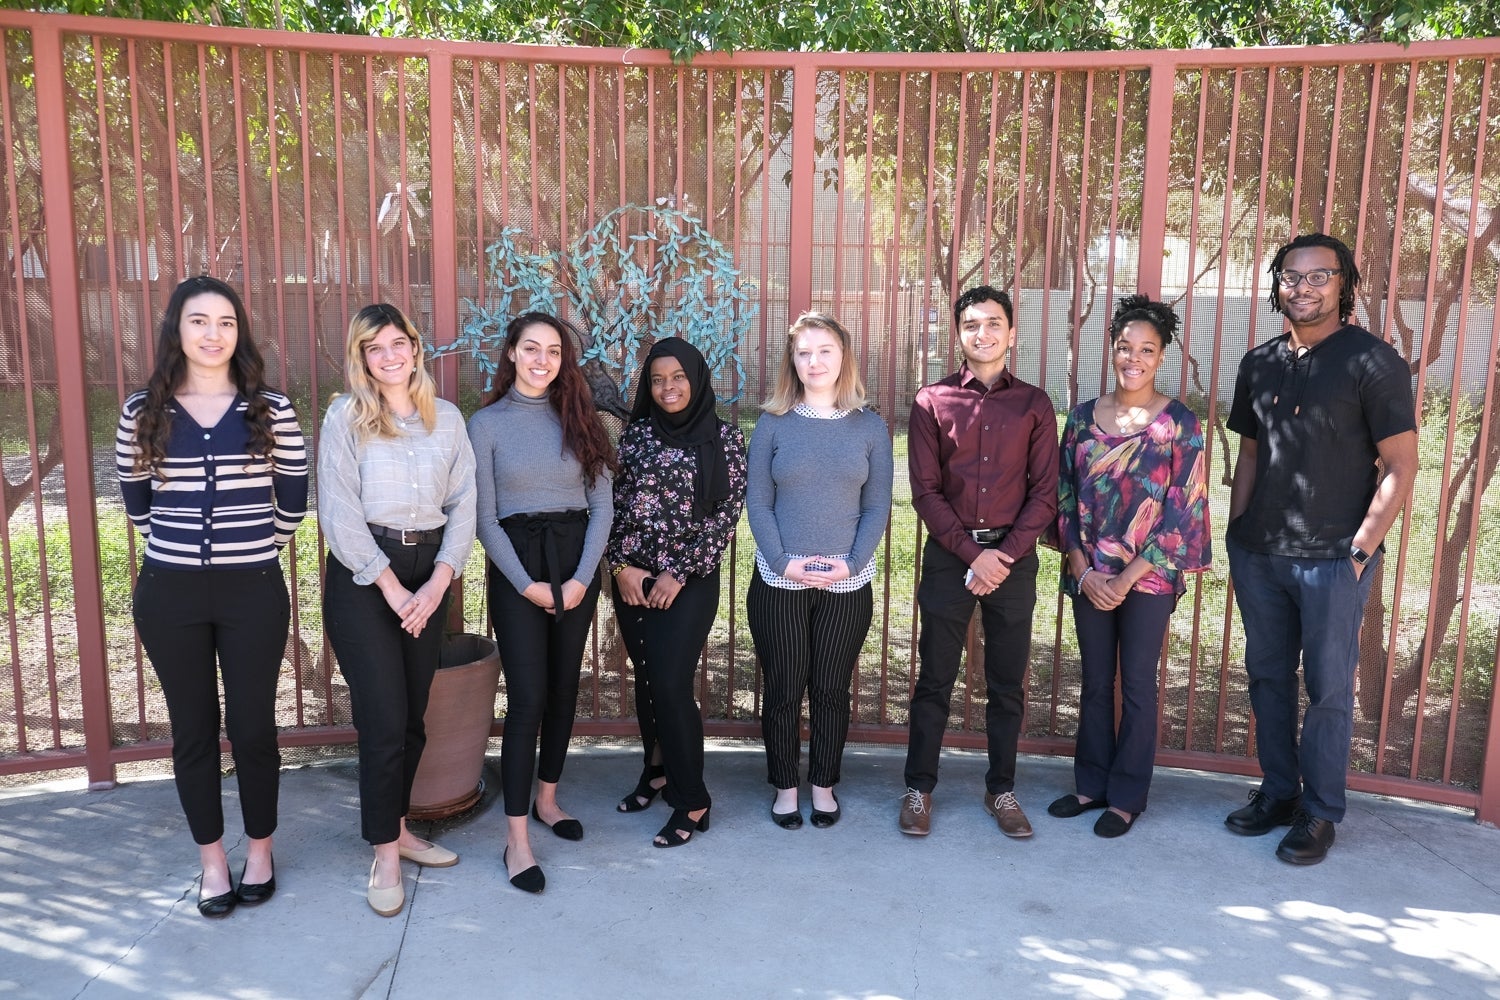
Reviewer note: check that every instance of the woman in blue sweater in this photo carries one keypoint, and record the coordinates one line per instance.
(214, 474)
(819, 498)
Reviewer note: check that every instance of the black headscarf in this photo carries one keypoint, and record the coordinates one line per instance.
(694, 429)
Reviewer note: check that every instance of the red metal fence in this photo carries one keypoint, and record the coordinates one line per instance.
(319, 173)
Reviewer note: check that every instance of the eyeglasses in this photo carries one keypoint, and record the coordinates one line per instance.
(1317, 278)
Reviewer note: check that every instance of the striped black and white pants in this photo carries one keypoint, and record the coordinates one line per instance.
(808, 642)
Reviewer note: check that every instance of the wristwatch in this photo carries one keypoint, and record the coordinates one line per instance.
(1358, 554)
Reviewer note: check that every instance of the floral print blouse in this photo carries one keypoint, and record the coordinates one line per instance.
(655, 527)
(1141, 494)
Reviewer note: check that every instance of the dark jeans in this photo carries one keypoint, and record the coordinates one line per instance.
(808, 641)
(664, 648)
(541, 654)
(1309, 609)
(1109, 765)
(946, 608)
(188, 620)
(389, 672)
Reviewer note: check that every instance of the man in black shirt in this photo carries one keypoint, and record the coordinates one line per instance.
(1328, 454)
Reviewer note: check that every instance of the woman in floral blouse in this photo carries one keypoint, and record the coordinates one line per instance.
(677, 499)
(1133, 518)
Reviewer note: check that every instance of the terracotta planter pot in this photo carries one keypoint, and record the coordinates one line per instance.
(460, 712)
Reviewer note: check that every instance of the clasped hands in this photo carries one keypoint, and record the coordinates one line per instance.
(630, 583)
(818, 572)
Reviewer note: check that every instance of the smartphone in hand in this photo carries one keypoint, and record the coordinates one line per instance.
(646, 585)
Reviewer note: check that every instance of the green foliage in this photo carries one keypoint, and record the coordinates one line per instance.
(687, 27)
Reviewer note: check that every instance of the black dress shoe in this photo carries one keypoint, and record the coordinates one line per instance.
(1112, 824)
(1262, 815)
(823, 820)
(1069, 806)
(530, 880)
(787, 821)
(221, 905)
(255, 893)
(1308, 841)
(567, 829)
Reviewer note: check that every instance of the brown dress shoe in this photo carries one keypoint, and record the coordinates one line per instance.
(916, 813)
(1007, 813)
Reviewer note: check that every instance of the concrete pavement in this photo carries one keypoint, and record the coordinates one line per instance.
(97, 894)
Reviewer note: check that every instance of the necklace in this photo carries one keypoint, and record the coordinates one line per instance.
(1131, 419)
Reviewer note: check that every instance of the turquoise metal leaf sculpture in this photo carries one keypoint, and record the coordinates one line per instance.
(643, 272)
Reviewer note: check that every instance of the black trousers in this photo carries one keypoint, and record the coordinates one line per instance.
(188, 620)
(808, 641)
(389, 672)
(664, 648)
(540, 652)
(946, 607)
(1108, 764)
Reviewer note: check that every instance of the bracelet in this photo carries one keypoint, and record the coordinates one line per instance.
(619, 568)
(1084, 576)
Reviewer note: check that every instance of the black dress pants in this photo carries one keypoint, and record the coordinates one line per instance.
(665, 647)
(541, 652)
(190, 621)
(946, 607)
(389, 672)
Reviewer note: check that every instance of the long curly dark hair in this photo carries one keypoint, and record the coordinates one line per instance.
(153, 428)
(583, 432)
(1348, 270)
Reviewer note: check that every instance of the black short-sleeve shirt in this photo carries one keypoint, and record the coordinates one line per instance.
(1316, 419)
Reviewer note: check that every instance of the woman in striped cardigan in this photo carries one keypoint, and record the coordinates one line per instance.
(214, 475)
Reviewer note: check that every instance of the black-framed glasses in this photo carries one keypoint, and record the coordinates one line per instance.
(1317, 277)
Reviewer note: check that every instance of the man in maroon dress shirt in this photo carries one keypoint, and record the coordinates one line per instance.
(982, 449)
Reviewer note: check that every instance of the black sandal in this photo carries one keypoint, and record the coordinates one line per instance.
(644, 790)
(671, 835)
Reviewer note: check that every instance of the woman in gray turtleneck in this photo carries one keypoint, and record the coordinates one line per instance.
(543, 484)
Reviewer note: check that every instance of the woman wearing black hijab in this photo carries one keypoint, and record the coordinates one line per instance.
(678, 497)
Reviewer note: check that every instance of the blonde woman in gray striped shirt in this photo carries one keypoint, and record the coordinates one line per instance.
(819, 498)
(396, 503)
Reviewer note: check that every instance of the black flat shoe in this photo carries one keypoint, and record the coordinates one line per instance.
(787, 821)
(1069, 806)
(567, 829)
(680, 828)
(1110, 825)
(823, 820)
(645, 793)
(221, 905)
(255, 893)
(530, 880)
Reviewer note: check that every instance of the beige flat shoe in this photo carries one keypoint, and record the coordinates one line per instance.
(432, 856)
(386, 902)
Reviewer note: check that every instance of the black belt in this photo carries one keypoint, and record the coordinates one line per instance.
(989, 536)
(408, 536)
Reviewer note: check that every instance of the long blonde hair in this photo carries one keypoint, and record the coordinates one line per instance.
(372, 418)
(849, 390)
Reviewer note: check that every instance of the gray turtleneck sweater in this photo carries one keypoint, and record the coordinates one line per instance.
(522, 468)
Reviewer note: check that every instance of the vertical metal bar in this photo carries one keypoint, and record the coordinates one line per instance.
(1372, 130)
(211, 227)
(804, 165)
(1075, 331)
(441, 144)
(1393, 282)
(989, 179)
(840, 196)
(1114, 221)
(373, 185)
(1156, 176)
(344, 276)
(310, 273)
(1054, 165)
(72, 398)
(1434, 250)
(1333, 150)
(737, 195)
(1301, 157)
(241, 153)
(170, 98)
(404, 224)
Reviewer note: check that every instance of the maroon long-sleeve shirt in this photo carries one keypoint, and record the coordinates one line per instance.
(983, 457)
